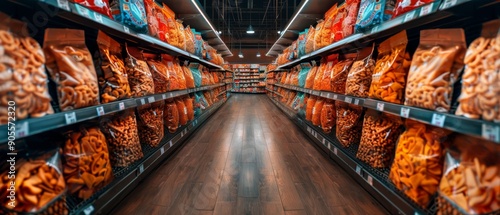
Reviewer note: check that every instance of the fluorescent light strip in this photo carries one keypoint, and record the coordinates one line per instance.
(290, 23)
(212, 27)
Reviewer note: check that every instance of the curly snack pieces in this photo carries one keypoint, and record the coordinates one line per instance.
(86, 162)
(22, 77)
(378, 139)
(435, 68)
(389, 77)
(171, 116)
(480, 81)
(349, 123)
(38, 184)
(418, 164)
(70, 65)
(471, 178)
(123, 138)
(150, 123)
(112, 75)
(159, 72)
(328, 116)
(339, 73)
(359, 78)
(139, 76)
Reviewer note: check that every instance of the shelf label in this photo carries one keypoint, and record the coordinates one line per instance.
(84, 11)
(143, 101)
(70, 118)
(370, 180)
(141, 169)
(380, 106)
(126, 29)
(329, 145)
(335, 151)
(22, 129)
(356, 101)
(164, 96)
(88, 210)
(409, 16)
(121, 106)
(405, 112)
(327, 95)
(151, 99)
(63, 4)
(98, 18)
(374, 29)
(438, 120)
(162, 150)
(171, 95)
(324, 142)
(100, 110)
(335, 96)
(491, 132)
(426, 9)
(348, 99)
(449, 3)
(358, 169)
(170, 143)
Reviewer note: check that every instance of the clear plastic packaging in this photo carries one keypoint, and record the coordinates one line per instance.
(352, 9)
(100, 6)
(310, 77)
(310, 106)
(310, 39)
(139, 76)
(317, 35)
(183, 111)
(303, 74)
(159, 72)
(359, 78)
(189, 103)
(189, 77)
(171, 115)
(340, 72)
(328, 116)
(326, 80)
(349, 123)
(316, 111)
(150, 123)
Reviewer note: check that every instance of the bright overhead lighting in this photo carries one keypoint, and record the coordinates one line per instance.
(258, 54)
(279, 32)
(290, 23)
(250, 30)
(240, 54)
(219, 32)
(209, 24)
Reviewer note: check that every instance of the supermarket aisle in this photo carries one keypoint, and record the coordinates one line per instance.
(249, 159)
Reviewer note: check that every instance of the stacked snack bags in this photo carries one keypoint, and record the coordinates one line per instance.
(130, 13)
(359, 78)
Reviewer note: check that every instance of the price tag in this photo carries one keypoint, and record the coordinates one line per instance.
(164, 96)
(151, 99)
(143, 101)
(88, 210)
(356, 101)
(84, 11)
(170, 143)
(70, 118)
(409, 16)
(405, 112)
(324, 142)
(162, 150)
(370, 180)
(438, 120)
(380, 106)
(98, 18)
(126, 29)
(100, 110)
(348, 99)
(22, 129)
(426, 9)
(335, 96)
(491, 132)
(358, 170)
(171, 95)
(121, 106)
(327, 95)
(141, 169)
(63, 4)
(374, 29)
(335, 151)
(449, 3)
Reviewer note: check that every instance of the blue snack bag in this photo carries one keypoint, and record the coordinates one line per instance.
(130, 13)
(372, 13)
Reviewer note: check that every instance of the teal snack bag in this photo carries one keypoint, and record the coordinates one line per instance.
(131, 13)
(372, 13)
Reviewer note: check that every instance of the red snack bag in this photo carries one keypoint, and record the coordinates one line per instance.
(100, 6)
(403, 6)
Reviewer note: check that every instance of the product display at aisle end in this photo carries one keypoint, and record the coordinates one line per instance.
(248, 79)
(92, 109)
(406, 101)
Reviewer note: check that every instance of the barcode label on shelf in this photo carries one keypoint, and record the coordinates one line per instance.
(374, 29)
(100, 110)
(348, 99)
(88, 210)
(98, 18)
(358, 170)
(151, 99)
(426, 9)
(170, 143)
(70, 118)
(438, 120)
(335, 96)
(84, 11)
(329, 145)
(335, 151)
(449, 3)
(22, 129)
(327, 95)
(140, 169)
(171, 95)
(121, 106)
(126, 29)
(164, 96)
(409, 16)
(356, 101)
(63, 4)
(324, 141)
(491, 132)
(370, 180)
(405, 112)
(162, 150)
(143, 101)
(380, 106)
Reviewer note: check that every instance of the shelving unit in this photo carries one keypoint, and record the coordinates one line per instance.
(241, 80)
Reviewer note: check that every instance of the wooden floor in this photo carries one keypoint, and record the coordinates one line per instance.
(249, 158)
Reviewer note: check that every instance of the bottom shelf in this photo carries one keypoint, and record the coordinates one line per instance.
(373, 180)
(104, 201)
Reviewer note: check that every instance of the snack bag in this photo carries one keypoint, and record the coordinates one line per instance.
(317, 35)
(100, 6)
(139, 76)
(339, 73)
(173, 78)
(326, 80)
(171, 35)
(316, 111)
(171, 115)
(157, 22)
(480, 81)
(189, 103)
(378, 139)
(470, 177)
(435, 68)
(189, 77)
(403, 6)
(113, 78)
(372, 13)
(180, 75)
(150, 123)
(306, 67)
(70, 65)
(359, 78)
(389, 76)
(311, 102)
(24, 82)
(199, 104)
(328, 116)
(337, 31)
(160, 74)
(198, 43)
(183, 112)
(418, 164)
(326, 33)
(310, 77)
(130, 13)
(122, 137)
(181, 35)
(190, 46)
(349, 123)
(196, 74)
(309, 40)
(352, 8)
(86, 163)
(302, 43)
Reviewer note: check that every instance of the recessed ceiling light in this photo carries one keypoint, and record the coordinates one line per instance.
(250, 30)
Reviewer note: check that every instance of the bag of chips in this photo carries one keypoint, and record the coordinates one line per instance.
(131, 13)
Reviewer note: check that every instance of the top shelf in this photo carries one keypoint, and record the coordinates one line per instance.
(428, 15)
(81, 15)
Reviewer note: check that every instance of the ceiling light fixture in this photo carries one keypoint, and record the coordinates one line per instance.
(240, 54)
(250, 30)
(258, 54)
(219, 32)
(279, 32)
(290, 23)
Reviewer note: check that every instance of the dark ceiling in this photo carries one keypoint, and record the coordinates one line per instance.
(232, 18)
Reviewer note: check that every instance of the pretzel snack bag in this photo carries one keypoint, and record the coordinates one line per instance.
(359, 78)
(139, 76)
(328, 116)
(159, 72)
(349, 123)
(150, 123)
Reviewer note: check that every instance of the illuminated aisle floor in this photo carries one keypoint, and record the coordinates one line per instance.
(249, 158)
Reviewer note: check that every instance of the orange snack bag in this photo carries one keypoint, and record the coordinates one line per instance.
(317, 35)
(309, 107)
(310, 39)
(189, 77)
(183, 112)
(316, 111)
(389, 77)
(173, 79)
(340, 72)
(171, 116)
(319, 75)
(180, 75)
(310, 77)
(189, 103)
(326, 80)
(326, 32)
(328, 116)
